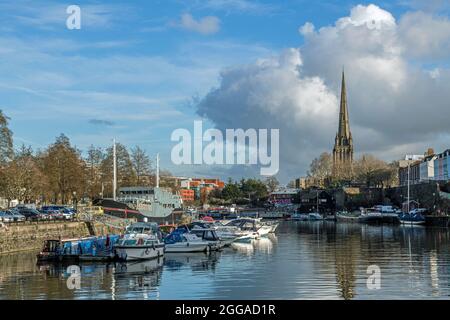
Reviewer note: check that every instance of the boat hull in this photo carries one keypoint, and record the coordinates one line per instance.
(141, 252)
(186, 247)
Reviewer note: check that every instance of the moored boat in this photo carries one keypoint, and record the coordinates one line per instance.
(412, 218)
(314, 216)
(141, 242)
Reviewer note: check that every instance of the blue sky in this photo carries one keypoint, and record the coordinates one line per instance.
(136, 69)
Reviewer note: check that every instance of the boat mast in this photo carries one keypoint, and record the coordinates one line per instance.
(317, 201)
(114, 170)
(157, 170)
(407, 206)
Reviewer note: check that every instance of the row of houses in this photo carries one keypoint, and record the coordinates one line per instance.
(429, 167)
(198, 188)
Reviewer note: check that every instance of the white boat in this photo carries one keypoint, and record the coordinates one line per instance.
(141, 242)
(186, 242)
(189, 243)
(245, 228)
(314, 216)
(299, 216)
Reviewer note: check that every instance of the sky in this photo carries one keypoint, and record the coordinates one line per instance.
(138, 70)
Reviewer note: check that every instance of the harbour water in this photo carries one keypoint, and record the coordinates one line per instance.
(304, 260)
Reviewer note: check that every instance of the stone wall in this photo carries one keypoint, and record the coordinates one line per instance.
(30, 235)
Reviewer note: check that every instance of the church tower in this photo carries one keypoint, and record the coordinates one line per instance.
(343, 145)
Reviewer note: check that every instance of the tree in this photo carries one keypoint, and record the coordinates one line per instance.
(94, 160)
(374, 172)
(231, 191)
(141, 164)
(322, 167)
(65, 170)
(6, 141)
(291, 184)
(271, 184)
(125, 172)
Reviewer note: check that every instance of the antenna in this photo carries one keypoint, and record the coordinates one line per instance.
(114, 170)
(157, 170)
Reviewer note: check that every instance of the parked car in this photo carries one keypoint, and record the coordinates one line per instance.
(15, 215)
(5, 217)
(45, 216)
(67, 213)
(29, 213)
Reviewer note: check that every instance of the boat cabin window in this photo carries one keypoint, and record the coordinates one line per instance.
(129, 242)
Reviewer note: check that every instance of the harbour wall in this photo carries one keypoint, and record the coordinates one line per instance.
(30, 235)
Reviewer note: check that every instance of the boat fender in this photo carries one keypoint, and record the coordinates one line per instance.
(147, 251)
(153, 246)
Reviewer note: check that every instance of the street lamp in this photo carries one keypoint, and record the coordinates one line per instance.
(74, 200)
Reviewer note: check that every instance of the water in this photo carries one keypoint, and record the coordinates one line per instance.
(305, 260)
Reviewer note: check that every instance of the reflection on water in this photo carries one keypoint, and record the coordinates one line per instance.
(305, 260)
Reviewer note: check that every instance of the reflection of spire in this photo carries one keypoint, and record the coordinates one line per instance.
(345, 260)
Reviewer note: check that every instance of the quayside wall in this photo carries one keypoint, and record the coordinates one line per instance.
(25, 236)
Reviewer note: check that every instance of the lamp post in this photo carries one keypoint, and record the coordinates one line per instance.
(74, 200)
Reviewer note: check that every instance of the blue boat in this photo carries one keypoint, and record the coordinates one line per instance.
(412, 218)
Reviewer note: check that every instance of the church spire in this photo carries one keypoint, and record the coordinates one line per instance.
(344, 125)
(343, 145)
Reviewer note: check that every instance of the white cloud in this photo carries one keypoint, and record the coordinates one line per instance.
(306, 29)
(396, 105)
(425, 35)
(206, 25)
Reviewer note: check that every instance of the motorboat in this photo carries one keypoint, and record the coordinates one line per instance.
(315, 216)
(206, 233)
(345, 216)
(142, 241)
(182, 241)
(377, 216)
(247, 228)
(414, 217)
(299, 216)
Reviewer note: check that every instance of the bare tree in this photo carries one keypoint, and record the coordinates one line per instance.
(141, 164)
(322, 167)
(6, 141)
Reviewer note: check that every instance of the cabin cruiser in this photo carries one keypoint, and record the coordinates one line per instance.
(414, 217)
(378, 215)
(246, 228)
(182, 241)
(314, 216)
(299, 216)
(205, 233)
(142, 241)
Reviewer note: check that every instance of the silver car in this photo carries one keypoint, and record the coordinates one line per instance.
(4, 217)
(15, 215)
